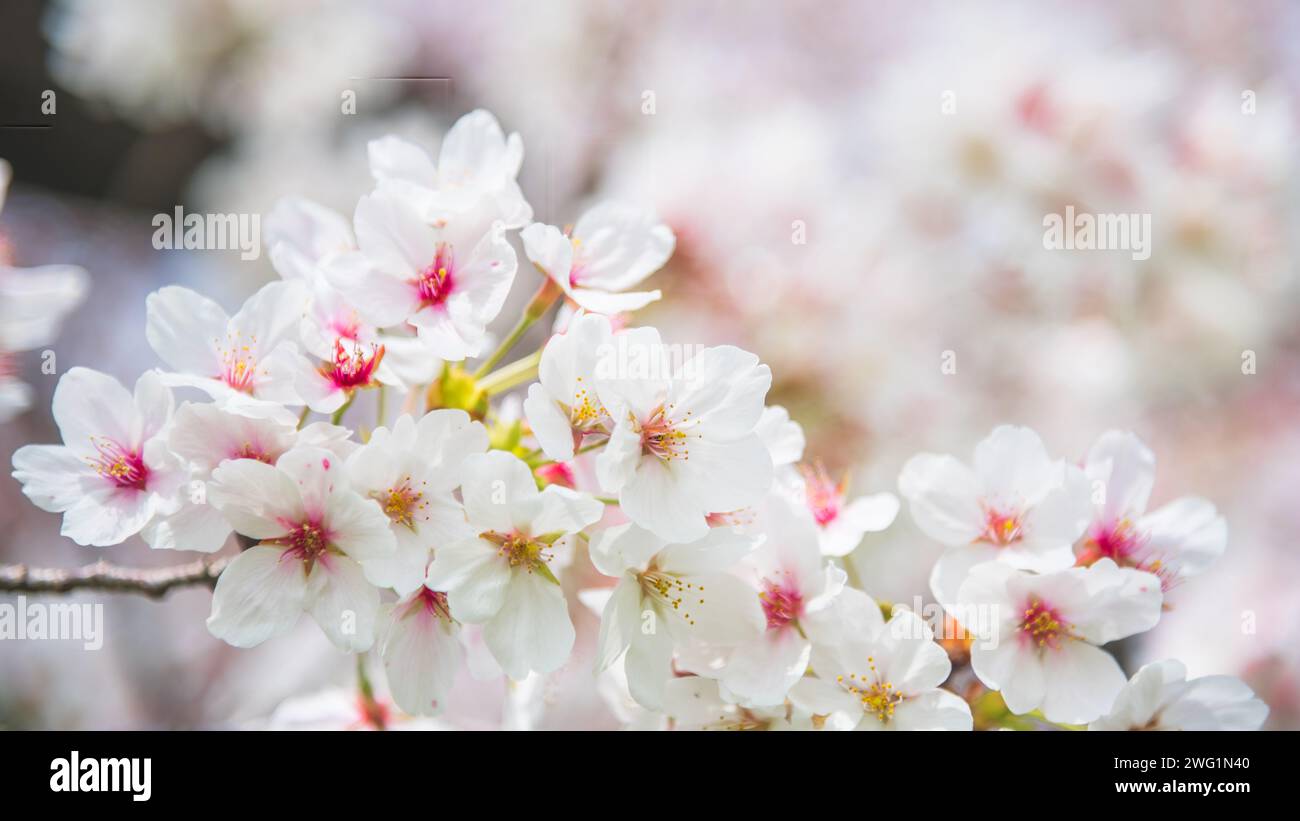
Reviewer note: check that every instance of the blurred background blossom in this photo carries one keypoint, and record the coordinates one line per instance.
(858, 191)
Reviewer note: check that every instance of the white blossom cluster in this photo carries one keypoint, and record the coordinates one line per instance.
(454, 524)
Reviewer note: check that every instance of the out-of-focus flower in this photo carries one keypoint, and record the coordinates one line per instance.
(476, 170)
(33, 303)
(1159, 697)
(1042, 650)
(1014, 505)
(1179, 540)
(613, 248)
(841, 526)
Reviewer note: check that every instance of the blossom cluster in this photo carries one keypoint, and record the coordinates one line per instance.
(453, 533)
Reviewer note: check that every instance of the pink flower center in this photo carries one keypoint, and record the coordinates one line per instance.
(249, 450)
(353, 366)
(823, 495)
(1001, 528)
(782, 604)
(1119, 541)
(434, 602)
(1122, 542)
(1043, 626)
(557, 473)
(307, 541)
(122, 466)
(578, 267)
(437, 281)
(663, 438)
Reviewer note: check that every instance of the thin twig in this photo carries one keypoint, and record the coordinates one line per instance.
(105, 577)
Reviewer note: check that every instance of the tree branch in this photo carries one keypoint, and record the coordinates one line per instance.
(102, 576)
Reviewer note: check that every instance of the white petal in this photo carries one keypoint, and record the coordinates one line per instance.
(944, 498)
(474, 577)
(565, 511)
(932, 710)
(53, 477)
(421, 658)
(532, 631)
(549, 424)
(1187, 535)
(343, 603)
(1127, 468)
(185, 329)
(258, 596)
(199, 527)
(1080, 683)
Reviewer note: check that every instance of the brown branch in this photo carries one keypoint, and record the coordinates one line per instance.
(102, 576)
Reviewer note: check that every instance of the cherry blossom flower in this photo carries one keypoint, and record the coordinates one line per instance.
(313, 532)
(1179, 540)
(841, 525)
(563, 406)
(1044, 654)
(684, 444)
(697, 703)
(671, 595)
(1159, 697)
(33, 303)
(501, 577)
(477, 165)
(795, 588)
(411, 471)
(314, 245)
(448, 278)
(783, 436)
(204, 436)
(113, 473)
(307, 239)
(613, 247)
(243, 362)
(886, 678)
(421, 649)
(1014, 505)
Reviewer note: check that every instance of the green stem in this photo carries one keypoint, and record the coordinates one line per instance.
(516, 333)
(381, 411)
(509, 376)
(576, 454)
(343, 409)
(302, 417)
(546, 296)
